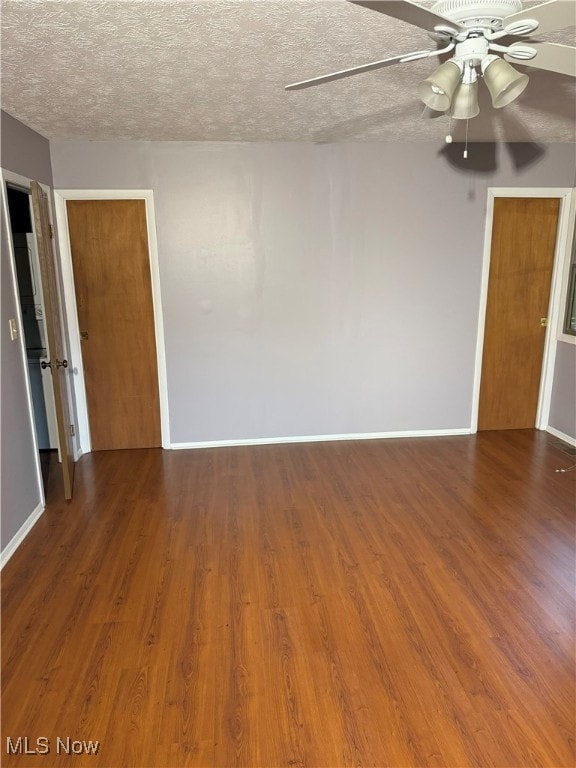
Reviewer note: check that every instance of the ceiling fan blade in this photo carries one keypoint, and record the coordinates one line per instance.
(553, 15)
(362, 68)
(551, 56)
(405, 10)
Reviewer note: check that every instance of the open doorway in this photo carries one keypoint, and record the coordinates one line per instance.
(33, 326)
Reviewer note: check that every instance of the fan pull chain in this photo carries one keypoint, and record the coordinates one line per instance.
(449, 136)
(465, 155)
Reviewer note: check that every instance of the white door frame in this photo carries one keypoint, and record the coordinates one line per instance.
(60, 198)
(554, 333)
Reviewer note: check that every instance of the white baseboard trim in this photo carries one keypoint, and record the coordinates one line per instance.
(561, 436)
(320, 438)
(20, 535)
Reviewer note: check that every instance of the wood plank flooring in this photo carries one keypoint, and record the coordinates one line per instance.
(396, 603)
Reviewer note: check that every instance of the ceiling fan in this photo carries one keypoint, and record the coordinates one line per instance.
(470, 31)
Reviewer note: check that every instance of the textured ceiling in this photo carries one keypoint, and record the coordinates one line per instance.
(215, 70)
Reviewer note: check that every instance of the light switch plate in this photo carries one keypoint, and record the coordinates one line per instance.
(13, 329)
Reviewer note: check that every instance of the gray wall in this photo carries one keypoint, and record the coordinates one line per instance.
(563, 410)
(316, 288)
(23, 150)
(26, 153)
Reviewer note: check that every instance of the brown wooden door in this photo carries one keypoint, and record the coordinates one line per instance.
(111, 265)
(522, 257)
(54, 332)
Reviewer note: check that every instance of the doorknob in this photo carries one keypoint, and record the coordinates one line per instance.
(59, 364)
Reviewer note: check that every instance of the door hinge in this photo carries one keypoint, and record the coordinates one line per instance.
(544, 322)
(51, 231)
(72, 430)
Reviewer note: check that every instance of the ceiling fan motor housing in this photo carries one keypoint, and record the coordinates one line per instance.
(477, 14)
(472, 51)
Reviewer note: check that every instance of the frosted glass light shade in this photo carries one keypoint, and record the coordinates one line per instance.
(465, 101)
(437, 90)
(504, 82)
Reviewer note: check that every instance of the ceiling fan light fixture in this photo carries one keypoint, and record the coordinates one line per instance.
(437, 90)
(504, 82)
(465, 102)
